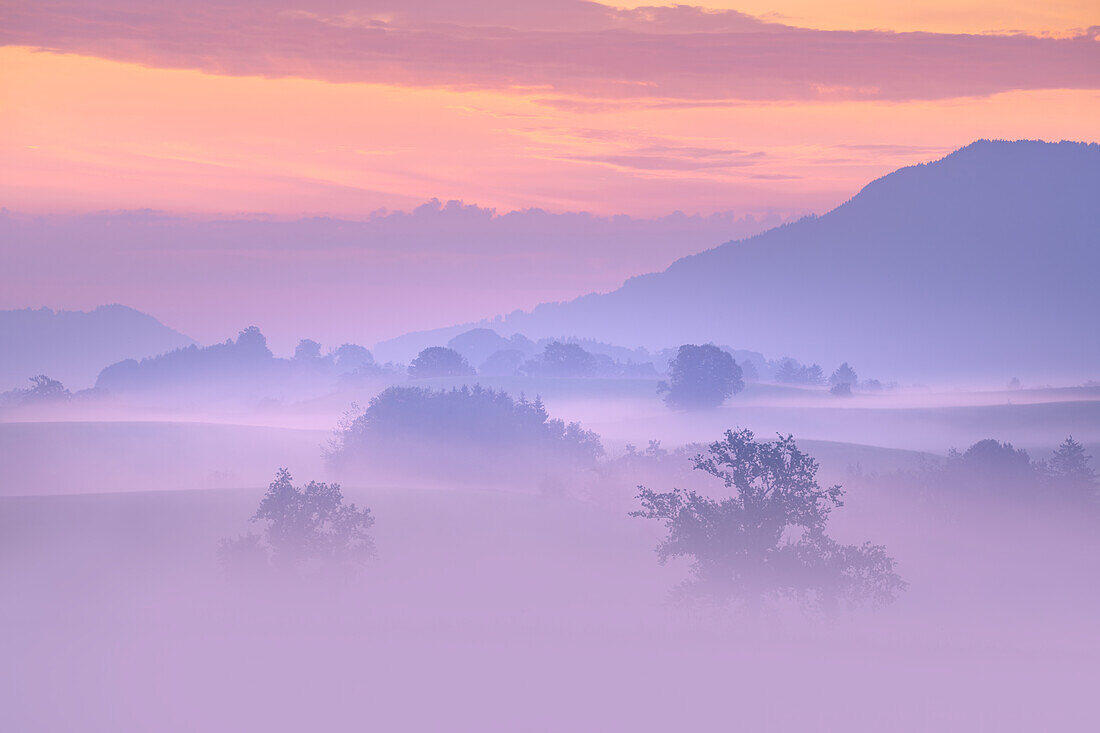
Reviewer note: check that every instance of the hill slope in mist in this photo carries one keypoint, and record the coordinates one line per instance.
(73, 346)
(979, 266)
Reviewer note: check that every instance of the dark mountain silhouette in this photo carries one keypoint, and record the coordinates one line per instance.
(73, 346)
(982, 265)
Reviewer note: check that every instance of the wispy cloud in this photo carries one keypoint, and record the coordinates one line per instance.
(675, 158)
(581, 55)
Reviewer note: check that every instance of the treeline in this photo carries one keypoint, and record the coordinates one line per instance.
(246, 367)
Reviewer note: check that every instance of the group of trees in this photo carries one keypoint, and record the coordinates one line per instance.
(308, 526)
(791, 371)
(245, 368)
(758, 539)
(439, 361)
(763, 541)
(43, 390)
(706, 376)
(561, 360)
(992, 469)
(344, 359)
(843, 380)
(445, 429)
(557, 359)
(699, 376)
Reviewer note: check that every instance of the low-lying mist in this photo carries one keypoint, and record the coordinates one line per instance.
(506, 586)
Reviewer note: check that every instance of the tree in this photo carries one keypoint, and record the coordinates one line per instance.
(844, 374)
(251, 340)
(767, 540)
(841, 389)
(439, 361)
(1070, 473)
(424, 427)
(503, 363)
(700, 377)
(350, 357)
(991, 467)
(43, 389)
(308, 524)
(562, 360)
(790, 371)
(307, 349)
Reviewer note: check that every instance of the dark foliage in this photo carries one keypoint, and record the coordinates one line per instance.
(306, 350)
(767, 539)
(790, 371)
(1070, 475)
(841, 389)
(844, 374)
(439, 361)
(991, 466)
(308, 525)
(422, 429)
(246, 358)
(43, 390)
(991, 476)
(561, 360)
(700, 377)
(245, 369)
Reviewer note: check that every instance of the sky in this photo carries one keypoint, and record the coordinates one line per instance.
(341, 108)
(281, 109)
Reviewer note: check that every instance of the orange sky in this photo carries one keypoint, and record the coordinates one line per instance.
(942, 16)
(114, 130)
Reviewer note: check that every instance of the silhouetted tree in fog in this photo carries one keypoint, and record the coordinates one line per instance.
(350, 357)
(841, 389)
(475, 430)
(991, 475)
(844, 374)
(253, 341)
(42, 390)
(310, 524)
(767, 539)
(991, 467)
(307, 349)
(701, 376)
(790, 371)
(439, 361)
(561, 360)
(1070, 474)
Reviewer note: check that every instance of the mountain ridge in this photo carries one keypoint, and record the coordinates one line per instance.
(995, 240)
(73, 345)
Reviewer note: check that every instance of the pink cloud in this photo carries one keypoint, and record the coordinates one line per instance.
(578, 50)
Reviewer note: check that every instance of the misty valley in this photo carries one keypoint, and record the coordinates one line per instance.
(715, 523)
(837, 475)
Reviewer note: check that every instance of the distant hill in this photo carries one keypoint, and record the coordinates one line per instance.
(73, 346)
(243, 371)
(981, 266)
